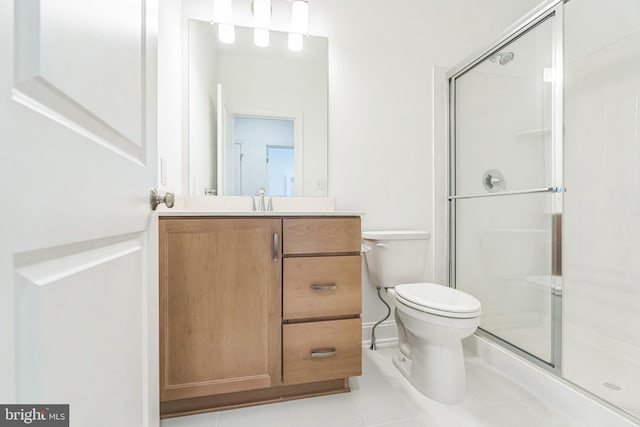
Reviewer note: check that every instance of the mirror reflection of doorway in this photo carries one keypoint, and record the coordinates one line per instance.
(236, 166)
(280, 170)
(253, 138)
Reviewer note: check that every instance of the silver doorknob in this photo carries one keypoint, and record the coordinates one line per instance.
(156, 198)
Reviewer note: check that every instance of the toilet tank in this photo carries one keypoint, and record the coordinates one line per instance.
(396, 257)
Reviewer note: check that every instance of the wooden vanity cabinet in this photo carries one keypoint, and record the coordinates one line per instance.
(256, 310)
(220, 305)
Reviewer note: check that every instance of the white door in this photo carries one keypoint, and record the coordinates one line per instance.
(236, 165)
(280, 170)
(225, 140)
(77, 160)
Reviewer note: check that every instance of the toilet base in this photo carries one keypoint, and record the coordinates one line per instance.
(436, 369)
(402, 363)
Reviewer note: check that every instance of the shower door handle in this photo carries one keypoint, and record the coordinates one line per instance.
(510, 193)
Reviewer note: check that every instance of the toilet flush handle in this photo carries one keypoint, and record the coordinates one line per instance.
(381, 245)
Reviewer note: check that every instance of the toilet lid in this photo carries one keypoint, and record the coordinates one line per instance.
(438, 299)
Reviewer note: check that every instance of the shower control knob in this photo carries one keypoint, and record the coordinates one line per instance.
(493, 181)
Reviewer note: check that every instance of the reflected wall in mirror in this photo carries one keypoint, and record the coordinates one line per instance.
(257, 116)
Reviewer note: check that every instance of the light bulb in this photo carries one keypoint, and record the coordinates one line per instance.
(223, 15)
(226, 33)
(222, 11)
(300, 17)
(262, 13)
(295, 42)
(261, 37)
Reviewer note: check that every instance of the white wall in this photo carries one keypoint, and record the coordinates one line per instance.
(202, 98)
(169, 95)
(381, 57)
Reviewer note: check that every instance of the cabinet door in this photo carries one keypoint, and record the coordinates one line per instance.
(220, 306)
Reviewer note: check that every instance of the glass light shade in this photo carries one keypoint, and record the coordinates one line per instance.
(295, 42)
(261, 37)
(300, 17)
(222, 11)
(226, 33)
(262, 13)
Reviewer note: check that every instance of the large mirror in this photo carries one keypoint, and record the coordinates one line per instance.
(257, 116)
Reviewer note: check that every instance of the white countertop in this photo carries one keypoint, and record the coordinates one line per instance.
(242, 206)
(183, 213)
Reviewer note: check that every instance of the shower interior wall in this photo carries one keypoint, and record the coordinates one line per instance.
(602, 205)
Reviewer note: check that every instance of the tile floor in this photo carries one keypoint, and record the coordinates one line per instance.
(383, 397)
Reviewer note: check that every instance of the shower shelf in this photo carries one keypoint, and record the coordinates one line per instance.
(534, 132)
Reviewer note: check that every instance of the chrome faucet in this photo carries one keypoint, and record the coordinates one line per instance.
(261, 206)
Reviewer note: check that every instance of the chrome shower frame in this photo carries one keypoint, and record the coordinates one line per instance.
(552, 9)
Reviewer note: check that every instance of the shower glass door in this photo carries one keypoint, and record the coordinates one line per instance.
(505, 195)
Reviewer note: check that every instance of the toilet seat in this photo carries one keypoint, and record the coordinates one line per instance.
(438, 300)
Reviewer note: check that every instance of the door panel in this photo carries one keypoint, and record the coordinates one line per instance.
(504, 258)
(503, 116)
(77, 160)
(71, 69)
(74, 327)
(507, 218)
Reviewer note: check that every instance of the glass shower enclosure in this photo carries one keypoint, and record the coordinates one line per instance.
(506, 187)
(544, 193)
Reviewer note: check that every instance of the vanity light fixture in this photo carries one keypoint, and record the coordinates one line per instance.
(261, 19)
(299, 24)
(223, 15)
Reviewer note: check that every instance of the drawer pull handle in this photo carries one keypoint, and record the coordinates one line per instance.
(323, 352)
(327, 287)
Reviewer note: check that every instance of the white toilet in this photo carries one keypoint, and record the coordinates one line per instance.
(432, 319)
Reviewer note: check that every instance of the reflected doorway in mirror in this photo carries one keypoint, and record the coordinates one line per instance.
(262, 154)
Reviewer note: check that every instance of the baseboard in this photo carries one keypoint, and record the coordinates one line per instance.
(566, 397)
(385, 332)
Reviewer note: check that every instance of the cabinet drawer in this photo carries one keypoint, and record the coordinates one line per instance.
(320, 235)
(317, 351)
(322, 286)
